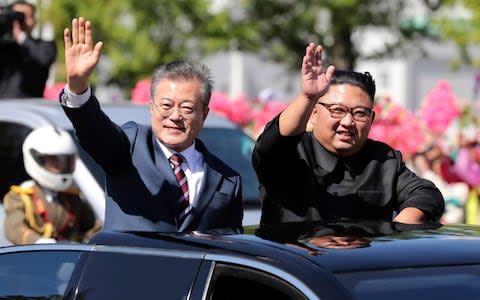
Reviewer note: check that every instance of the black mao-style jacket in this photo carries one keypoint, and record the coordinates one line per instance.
(301, 181)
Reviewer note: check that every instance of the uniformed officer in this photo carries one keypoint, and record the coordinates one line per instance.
(48, 208)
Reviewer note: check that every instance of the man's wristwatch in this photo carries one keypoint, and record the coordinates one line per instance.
(64, 97)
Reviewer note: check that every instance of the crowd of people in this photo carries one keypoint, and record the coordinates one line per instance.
(439, 141)
(315, 158)
(455, 170)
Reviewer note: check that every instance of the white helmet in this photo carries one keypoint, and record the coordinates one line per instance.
(55, 146)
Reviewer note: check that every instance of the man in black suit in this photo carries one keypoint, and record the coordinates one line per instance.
(24, 61)
(334, 171)
(146, 191)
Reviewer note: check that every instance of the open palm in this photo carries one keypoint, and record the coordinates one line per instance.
(81, 57)
(315, 78)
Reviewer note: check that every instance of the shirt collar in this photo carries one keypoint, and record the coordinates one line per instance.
(328, 161)
(324, 158)
(191, 155)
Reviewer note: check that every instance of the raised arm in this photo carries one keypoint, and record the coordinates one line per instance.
(410, 215)
(109, 145)
(81, 57)
(315, 78)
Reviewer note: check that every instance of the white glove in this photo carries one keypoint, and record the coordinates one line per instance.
(46, 241)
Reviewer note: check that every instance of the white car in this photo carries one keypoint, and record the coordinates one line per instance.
(18, 117)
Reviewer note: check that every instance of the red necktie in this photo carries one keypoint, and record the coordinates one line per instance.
(183, 205)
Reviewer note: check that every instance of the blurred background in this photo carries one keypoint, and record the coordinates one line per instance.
(254, 45)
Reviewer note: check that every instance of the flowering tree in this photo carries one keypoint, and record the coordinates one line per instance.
(267, 111)
(141, 92)
(251, 115)
(397, 127)
(439, 108)
(237, 110)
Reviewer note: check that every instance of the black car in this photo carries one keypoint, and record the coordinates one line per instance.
(340, 260)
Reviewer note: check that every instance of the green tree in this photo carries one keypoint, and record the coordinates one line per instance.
(462, 29)
(138, 36)
(286, 26)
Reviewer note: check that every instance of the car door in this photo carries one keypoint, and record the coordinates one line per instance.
(138, 273)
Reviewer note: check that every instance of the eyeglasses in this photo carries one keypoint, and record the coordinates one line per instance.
(339, 111)
(165, 109)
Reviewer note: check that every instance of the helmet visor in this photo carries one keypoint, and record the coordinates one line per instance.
(58, 163)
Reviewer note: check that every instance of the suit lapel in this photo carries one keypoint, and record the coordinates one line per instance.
(162, 164)
(164, 173)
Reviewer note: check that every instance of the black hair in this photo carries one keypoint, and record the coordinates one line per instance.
(361, 80)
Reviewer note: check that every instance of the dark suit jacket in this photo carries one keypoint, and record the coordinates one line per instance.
(140, 185)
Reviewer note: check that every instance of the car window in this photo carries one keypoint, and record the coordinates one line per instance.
(111, 275)
(237, 282)
(11, 158)
(234, 147)
(36, 275)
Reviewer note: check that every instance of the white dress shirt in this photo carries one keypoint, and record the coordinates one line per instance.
(73, 100)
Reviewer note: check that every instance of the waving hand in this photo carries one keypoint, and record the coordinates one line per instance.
(81, 56)
(315, 77)
(315, 80)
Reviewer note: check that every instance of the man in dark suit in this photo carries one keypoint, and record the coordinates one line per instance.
(145, 189)
(334, 171)
(24, 60)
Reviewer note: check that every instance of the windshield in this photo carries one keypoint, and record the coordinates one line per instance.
(235, 148)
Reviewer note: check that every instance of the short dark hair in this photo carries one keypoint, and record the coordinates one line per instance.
(183, 70)
(361, 80)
